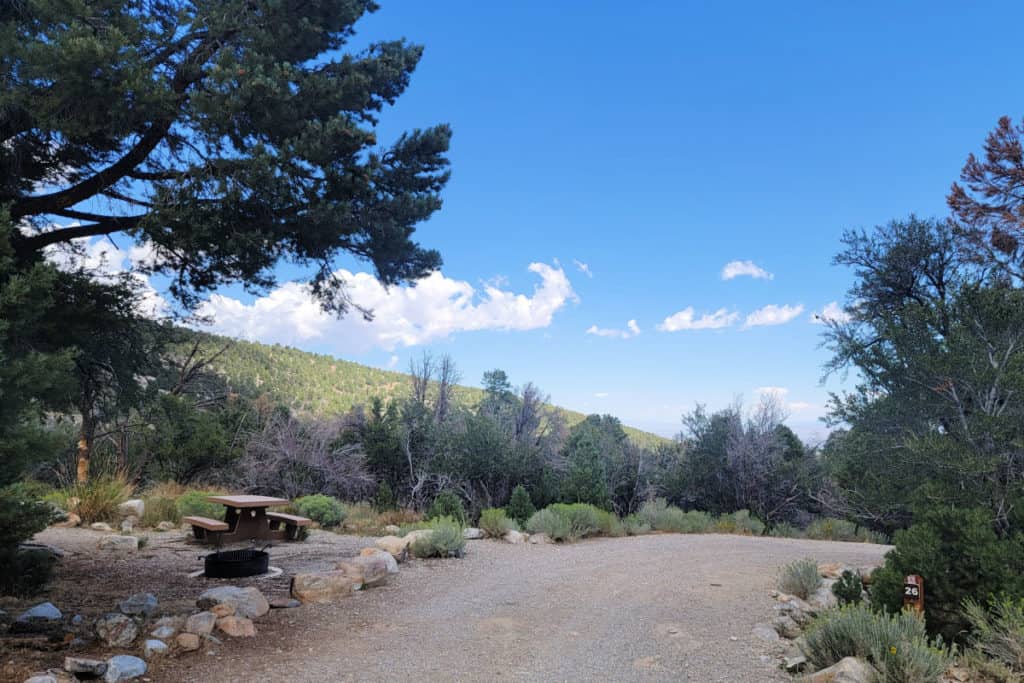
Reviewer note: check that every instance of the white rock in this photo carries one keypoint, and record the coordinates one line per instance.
(248, 602)
(44, 611)
(201, 623)
(125, 544)
(847, 670)
(392, 529)
(140, 603)
(540, 539)
(387, 557)
(765, 632)
(166, 526)
(153, 648)
(84, 665)
(472, 533)
(100, 526)
(116, 629)
(134, 507)
(515, 537)
(124, 668)
(824, 598)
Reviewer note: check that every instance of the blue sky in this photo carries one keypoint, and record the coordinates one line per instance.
(657, 142)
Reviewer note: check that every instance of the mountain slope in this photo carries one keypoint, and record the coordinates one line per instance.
(324, 385)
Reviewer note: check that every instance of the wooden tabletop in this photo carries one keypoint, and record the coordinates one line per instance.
(247, 501)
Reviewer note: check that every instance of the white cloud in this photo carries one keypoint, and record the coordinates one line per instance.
(773, 315)
(601, 394)
(632, 330)
(734, 269)
(779, 392)
(583, 267)
(831, 313)
(435, 308)
(686, 320)
(393, 362)
(799, 406)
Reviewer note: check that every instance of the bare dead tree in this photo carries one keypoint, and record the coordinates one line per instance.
(195, 377)
(447, 377)
(421, 374)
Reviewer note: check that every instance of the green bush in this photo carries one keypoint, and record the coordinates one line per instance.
(635, 525)
(661, 516)
(849, 588)
(24, 573)
(325, 510)
(739, 522)
(960, 556)
(194, 504)
(160, 509)
(447, 504)
(584, 519)
(786, 530)
(869, 536)
(997, 632)
(384, 499)
(445, 539)
(831, 529)
(21, 517)
(895, 645)
(800, 578)
(549, 522)
(520, 506)
(495, 523)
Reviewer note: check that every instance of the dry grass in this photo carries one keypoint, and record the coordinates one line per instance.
(363, 520)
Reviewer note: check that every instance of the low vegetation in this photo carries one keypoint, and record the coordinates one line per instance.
(800, 578)
(324, 510)
(896, 645)
(849, 588)
(495, 523)
(95, 500)
(445, 539)
(997, 632)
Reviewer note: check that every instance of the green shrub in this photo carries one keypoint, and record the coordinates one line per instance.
(584, 519)
(739, 522)
(786, 530)
(960, 556)
(21, 517)
(831, 529)
(96, 500)
(160, 509)
(800, 578)
(495, 523)
(895, 645)
(194, 504)
(869, 536)
(24, 573)
(447, 504)
(445, 539)
(325, 510)
(849, 588)
(520, 506)
(384, 499)
(549, 522)
(998, 631)
(635, 525)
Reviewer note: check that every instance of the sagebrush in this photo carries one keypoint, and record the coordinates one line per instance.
(800, 578)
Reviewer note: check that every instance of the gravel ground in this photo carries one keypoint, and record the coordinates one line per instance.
(649, 608)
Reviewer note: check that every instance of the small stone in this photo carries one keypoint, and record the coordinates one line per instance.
(388, 558)
(472, 533)
(140, 603)
(222, 610)
(284, 603)
(540, 539)
(392, 529)
(116, 630)
(824, 598)
(165, 627)
(163, 632)
(201, 623)
(84, 665)
(77, 620)
(188, 641)
(124, 668)
(166, 526)
(515, 537)
(765, 632)
(786, 627)
(153, 648)
(42, 678)
(847, 670)
(119, 543)
(132, 508)
(248, 602)
(237, 627)
(127, 525)
(100, 526)
(794, 664)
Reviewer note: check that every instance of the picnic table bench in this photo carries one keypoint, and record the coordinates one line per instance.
(246, 518)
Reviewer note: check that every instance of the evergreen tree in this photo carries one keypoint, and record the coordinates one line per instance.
(520, 507)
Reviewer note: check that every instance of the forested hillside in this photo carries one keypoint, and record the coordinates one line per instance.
(322, 385)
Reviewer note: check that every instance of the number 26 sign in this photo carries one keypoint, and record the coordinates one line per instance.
(913, 592)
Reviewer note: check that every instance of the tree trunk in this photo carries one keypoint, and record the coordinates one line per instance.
(84, 448)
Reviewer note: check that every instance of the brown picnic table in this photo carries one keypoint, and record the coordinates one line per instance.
(246, 518)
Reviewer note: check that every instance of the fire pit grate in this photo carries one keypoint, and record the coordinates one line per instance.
(232, 564)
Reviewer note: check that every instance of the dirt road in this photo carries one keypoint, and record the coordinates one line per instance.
(649, 608)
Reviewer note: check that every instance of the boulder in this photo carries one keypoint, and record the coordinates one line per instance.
(44, 618)
(824, 598)
(114, 543)
(365, 571)
(831, 570)
(223, 610)
(794, 664)
(237, 627)
(127, 525)
(284, 603)
(392, 529)
(397, 547)
(166, 526)
(322, 586)
(472, 533)
(797, 609)
(72, 520)
(786, 626)
(248, 602)
(84, 665)
(765, 632)
(132, 508)
(124, 668)
(44, 611)
(515, 537)
(416, 535)
(153, 648)
(187, 641)
(540, 539)
(388, 558)
(52, 676)
(164, 628)
(846, 670)
(201, 623)
(101, 526)
(140, 603)
(116, 629)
